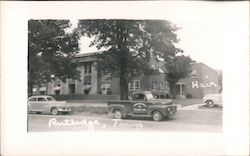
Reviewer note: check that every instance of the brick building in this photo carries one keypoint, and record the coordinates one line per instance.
(100, 82)
(203, 80)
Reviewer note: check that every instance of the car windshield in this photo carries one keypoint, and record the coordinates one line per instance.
(50, 99)
(149, 96)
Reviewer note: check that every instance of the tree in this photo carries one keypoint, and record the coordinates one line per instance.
(131, 44)
(178, 68)
(50, 49)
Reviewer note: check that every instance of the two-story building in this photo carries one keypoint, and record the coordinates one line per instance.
(93, 81)
(203, 80)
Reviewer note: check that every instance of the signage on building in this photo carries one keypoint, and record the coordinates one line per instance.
(195, 84)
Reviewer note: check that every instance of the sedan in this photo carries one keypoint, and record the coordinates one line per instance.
(44, 103)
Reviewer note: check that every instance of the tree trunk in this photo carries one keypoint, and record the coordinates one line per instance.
(172, 89)
(30, 89)
(123, 76)
(123, 88)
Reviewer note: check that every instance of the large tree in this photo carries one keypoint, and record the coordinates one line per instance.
(178, 68)
(131, 44)
(50, 49)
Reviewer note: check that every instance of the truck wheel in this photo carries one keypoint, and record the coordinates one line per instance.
(210, 103)
(157, 116)
(54, 111)
(118, 114)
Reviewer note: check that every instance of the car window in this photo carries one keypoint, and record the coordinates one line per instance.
(32, 99)
(149, 96)
(139, 97)
(49, 98)
(41, 99)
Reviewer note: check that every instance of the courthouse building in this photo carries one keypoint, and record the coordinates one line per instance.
(92, 81)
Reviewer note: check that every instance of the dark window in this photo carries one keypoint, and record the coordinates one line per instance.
(72, 88)
(49, 99)
(32, 99)
(41, 99)
(139, 97)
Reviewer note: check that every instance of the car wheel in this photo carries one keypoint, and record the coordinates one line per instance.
(54, 111)
(118, 114)
(210, 103)
(157, 116)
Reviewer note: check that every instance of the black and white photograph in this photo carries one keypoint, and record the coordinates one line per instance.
(129, 75)
(102, 78)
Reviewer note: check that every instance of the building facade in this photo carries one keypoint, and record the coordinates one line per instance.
(93, 81)
(203, 80)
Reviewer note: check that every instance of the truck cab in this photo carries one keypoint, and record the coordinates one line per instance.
(143, 103)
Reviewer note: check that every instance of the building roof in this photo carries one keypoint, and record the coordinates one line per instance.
(89, 54)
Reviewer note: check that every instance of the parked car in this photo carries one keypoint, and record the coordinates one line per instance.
(212, 100)
(43, 103)
(142, 104)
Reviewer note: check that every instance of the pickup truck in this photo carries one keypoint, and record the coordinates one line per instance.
(143, 103)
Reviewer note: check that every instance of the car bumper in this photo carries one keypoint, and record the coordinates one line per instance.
(64, 109)
(171, 111)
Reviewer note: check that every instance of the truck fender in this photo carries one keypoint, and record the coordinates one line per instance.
(113, 107)
(158, 108)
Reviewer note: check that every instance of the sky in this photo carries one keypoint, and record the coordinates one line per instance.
(204, 31)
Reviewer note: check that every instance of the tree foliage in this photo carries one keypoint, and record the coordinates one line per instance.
(178, 68)
(131, 44)
(50, 49)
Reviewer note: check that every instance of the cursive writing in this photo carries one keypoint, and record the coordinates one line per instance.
(124, 124)
(71, 122)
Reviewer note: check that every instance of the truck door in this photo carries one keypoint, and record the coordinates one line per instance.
(139, 104)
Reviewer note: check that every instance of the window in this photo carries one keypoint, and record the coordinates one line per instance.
(154, 86)
(32, 99)
(137, 85)
(41, 99)
(180, 89)
(87, 68)
(50, 99)
(139, 96)
(134, 85)
(72, 88)
(161, 86)
(194, 74)
(105, 86)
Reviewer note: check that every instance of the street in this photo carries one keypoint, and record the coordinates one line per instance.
(184, 121)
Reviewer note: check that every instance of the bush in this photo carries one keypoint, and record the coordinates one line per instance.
(162, 96)
(189, 96)
(86, 91)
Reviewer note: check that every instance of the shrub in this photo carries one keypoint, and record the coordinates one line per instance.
(162, 96)
(189, 96)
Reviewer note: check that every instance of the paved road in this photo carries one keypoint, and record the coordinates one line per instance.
(184, 121)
